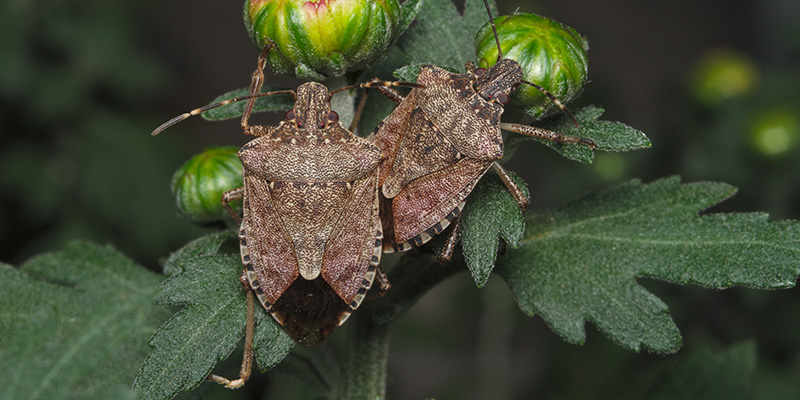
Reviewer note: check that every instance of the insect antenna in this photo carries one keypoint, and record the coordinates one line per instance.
(554, 100)
(207, 107)
(376, 83)
(494, 29)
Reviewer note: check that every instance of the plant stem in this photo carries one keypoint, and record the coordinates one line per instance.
(367, 353)
(368, 332)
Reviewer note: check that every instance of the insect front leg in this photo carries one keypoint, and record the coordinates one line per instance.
(229, 196)
(255, 86)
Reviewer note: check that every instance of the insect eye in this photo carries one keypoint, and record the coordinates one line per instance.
(503, 99)
(480, 71)
(290, 115)
(333, 116)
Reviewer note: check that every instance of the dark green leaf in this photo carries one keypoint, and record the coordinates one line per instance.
(75, 324)
(440, 26)
(318, 368)
(206, 330)
(607, 135)
(490, 213)
(203, 246)
(707, 374)
(270, 343)
(278, 102)
(409, 73)
(580, 263)
(408, 11)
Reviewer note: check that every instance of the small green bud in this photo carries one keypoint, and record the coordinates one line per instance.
(199, 183)
(552, 55)
(722, 75)
(319, 39)
(775, 132)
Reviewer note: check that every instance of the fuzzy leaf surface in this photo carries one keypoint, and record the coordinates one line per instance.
(278, 102)
(580, 263)
(440, 26)
(408, 11)
(607, 135)
(206, 330)
(202, 246)
(490, 214)
(74, 324)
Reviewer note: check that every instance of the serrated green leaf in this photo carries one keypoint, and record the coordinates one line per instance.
(580, 263)
(270, 343)
(203, 246)
(440, 26)
(607, 135)
(408, 73)
(490, 214)
(408, 11)
(278, 102)
(74, 324)
(205, 331)
(707, 374)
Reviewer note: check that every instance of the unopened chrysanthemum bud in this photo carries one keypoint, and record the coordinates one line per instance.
(552, 55)
(199, 183)
(722, 75)
(318, 39)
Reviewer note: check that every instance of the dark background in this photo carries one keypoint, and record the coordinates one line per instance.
(82, 83)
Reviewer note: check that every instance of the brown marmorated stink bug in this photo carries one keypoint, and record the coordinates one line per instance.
(310, 234)
(440, 140)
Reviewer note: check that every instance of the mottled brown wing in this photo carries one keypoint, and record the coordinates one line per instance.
(423, 150)
(266, 249)
(354, 248)
(389, 133)
(308, 213)
(432, 199)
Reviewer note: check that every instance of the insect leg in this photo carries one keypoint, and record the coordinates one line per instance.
(515, 191)
(256, 82)
(450, 244)
(383, 87)
(230, 196)
(383, 285)
(539, 133)
(359, 111)
(247, 362)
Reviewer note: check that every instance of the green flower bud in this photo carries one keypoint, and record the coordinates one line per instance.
(722, 75)
(775, 132)
(552, 55)
(319, 39)
(199, 183)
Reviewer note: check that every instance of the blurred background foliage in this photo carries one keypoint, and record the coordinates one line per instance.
(715, 85)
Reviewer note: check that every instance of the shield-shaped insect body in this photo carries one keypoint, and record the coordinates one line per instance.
(440, 140)
(438, 143)
(310, 235)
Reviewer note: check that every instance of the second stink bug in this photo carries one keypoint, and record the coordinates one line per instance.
(441, 139)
